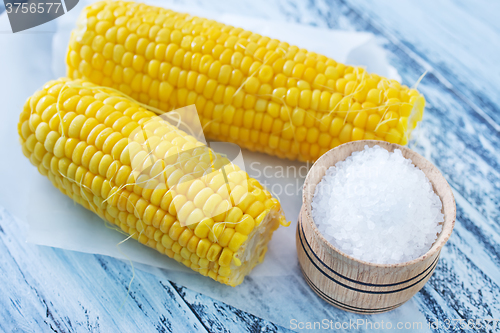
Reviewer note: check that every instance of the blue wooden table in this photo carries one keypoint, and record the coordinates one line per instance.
(457, 42)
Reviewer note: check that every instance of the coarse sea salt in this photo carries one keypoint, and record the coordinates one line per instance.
(378, 207)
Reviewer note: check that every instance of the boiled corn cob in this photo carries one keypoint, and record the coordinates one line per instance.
(257, 92)
(153, 181)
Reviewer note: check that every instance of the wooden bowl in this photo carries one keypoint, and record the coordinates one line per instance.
(354, 285)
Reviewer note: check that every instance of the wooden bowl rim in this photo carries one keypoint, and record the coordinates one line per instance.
(448, 223)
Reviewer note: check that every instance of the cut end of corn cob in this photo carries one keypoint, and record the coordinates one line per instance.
(257, 92)
(150, 179)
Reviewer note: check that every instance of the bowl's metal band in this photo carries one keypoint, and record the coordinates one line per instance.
(344, 306)
(303, 240)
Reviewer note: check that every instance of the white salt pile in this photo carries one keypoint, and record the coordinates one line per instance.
(377, 207)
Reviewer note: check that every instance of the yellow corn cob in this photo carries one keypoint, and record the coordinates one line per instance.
(257, 92)
(83, 137)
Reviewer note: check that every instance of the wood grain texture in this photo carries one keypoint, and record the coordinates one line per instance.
(464, 62)
(43, 284)
(457, 42)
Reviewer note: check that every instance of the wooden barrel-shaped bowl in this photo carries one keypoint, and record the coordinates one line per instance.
(354, 285)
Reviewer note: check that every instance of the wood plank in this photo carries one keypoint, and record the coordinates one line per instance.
(473, 297)
(480, 244)
(465, 284)
(220, 317)
(64, 291)
(459, 45)
(71, 291)
(482, 10)
(459, 291)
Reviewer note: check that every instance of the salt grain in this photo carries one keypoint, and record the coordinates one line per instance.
(377, 207)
